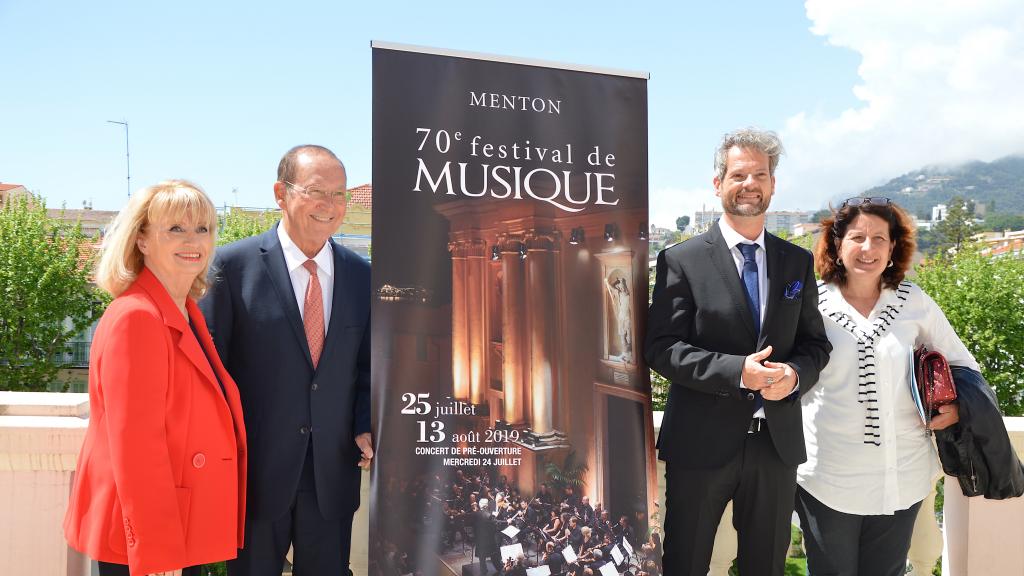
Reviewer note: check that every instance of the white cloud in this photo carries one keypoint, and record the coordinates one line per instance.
(667, 204)
(940, 82)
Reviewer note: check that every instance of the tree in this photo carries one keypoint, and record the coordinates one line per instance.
(45, 294)
(659, 384)
(927, 241)
(659, 391)
(238, 224)
(674, 237)
(805, 241)
(682, 222)
(819, 215)
(956, 228)
(983, 298)
(1000, 222)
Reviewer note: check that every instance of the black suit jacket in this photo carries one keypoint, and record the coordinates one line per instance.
(485, 531)
(700, 330)
(255, 323)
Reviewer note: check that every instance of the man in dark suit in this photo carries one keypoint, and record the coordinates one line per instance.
(553, 558)
(486, 532)
(585, 511)
(734, 325)
(289, 312)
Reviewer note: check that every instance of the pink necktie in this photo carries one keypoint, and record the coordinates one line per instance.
(313, 318)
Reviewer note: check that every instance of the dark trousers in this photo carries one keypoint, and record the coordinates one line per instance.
(840, 544)
(108, 569)
(320, 546)
(761, 488)
(495, 558)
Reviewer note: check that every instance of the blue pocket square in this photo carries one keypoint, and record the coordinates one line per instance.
(793, 290)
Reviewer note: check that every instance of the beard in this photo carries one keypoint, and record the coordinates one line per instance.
(733, 208)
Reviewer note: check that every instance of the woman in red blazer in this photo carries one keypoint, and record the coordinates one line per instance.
(160, 483)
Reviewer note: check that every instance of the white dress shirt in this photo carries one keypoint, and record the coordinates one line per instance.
(842, 471)
(294, 259)
(733, 239)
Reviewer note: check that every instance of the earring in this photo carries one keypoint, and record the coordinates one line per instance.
(890, 263)
(839, 262)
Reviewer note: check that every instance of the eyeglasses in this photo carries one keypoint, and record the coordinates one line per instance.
(338, 196)
(874, 201)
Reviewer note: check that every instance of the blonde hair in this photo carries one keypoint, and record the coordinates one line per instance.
(121, 261)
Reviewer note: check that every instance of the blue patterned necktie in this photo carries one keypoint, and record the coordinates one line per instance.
(753, 295)
(750, 282)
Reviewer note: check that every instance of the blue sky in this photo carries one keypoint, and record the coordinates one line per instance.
(861, 91)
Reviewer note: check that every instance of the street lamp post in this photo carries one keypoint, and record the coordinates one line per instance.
(127, 155)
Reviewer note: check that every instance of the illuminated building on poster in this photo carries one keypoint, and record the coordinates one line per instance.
(543, 330)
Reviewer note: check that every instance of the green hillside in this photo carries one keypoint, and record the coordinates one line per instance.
(998, 184)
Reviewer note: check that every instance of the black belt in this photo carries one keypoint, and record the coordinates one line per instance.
(757, 425)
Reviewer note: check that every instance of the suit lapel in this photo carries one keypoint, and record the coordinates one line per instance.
(775, 262)
(273, 261)
(338, 310)
(719, 254)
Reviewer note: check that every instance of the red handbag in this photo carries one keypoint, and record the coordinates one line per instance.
(934, 379)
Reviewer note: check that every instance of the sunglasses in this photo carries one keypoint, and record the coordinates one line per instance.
(859, 200)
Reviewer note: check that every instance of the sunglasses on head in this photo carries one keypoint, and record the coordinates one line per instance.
(859, 200)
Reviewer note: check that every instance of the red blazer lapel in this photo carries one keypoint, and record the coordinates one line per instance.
(174, 319)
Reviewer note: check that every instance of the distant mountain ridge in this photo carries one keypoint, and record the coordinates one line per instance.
(1001, 181)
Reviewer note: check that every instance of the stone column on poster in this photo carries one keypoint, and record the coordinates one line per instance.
(540, 290)
(476, 328)
(460, 328)
(513, 332)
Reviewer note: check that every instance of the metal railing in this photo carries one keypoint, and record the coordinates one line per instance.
(75, 355)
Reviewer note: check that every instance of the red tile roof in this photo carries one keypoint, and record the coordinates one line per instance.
(362, 195)
(84, 214)
(87, 251)
(6, 187)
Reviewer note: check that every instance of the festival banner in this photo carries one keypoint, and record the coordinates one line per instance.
(511, 400)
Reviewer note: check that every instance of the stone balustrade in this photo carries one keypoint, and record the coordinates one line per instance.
(41, 433)
(983, 537)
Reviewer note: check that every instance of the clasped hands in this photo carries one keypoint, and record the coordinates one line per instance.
(775, 380)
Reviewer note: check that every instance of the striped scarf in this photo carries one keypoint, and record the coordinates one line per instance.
(829, 303)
